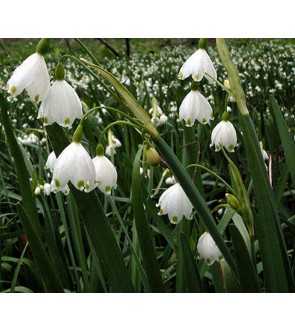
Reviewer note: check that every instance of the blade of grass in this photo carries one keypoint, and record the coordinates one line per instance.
(51, 281)
(247, 272)
(149, 259)
(191, 272)
(286, 139)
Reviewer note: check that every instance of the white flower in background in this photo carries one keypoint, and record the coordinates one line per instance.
(158, 117)
(37, 191)
(197, 65)
(113, 144)
(28, 139)
(61, 103)
(264, 154)
(74, 164)
(208, 249)
(105, 172)
(50, 162)
(224, 135)
(47, 189)
(175, 202)
(170, 180)
(195, 107)
(32, 75)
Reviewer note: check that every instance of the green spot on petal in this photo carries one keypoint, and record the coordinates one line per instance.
(204, 120)
(12, 89)
(80, 184)
(208, 261)
(87, 186)
(45, 120)
(107, 189)
(189, 122)
(37, 98)
(231, 148)
(174, 219)
(57, 184)
(67, 122)
(181, 75)
(196, 77)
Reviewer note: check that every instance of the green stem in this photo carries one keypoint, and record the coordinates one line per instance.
(214, 174)
(87, 51)
(110, 109)
(116, 123)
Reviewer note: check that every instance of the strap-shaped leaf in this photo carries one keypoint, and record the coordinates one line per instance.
(287, 140)
(149, 258)
(248, 276)
(191, 272)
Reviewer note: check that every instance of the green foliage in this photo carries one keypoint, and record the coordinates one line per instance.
(119, 243)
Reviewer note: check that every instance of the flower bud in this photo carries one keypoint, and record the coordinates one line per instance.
(153, 157)
(233, 202)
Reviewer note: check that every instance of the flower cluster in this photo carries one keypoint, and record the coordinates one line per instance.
(60, 104)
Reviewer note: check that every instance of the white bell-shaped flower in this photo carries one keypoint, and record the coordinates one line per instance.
(105, 172)
(32, 75)
(50, 162)
(198, 65)
(74, 164)
(61, 103)
(208, 249)
(195, 107)
(224, 135)
(175, 202)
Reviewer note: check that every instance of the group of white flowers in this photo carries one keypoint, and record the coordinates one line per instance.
(61, 104)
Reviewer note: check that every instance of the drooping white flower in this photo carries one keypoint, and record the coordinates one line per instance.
(113, 144)
(158, 117)
(195, 107)
(61, 103)
(197, 65)
(105, 172)
(175, 202)
(224, 135)
(170, 180)
(37, 191)
(50, 162)
(32, 75)
(47, 189)
(74, 164)
(208, 249)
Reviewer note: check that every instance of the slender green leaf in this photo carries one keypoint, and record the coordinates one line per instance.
(191, 273)
(51, 281)
(149, 259)
(276, 266)
(287, 140)
(247, 272)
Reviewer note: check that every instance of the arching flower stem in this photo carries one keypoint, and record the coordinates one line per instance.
(116, 123)
(214, 174)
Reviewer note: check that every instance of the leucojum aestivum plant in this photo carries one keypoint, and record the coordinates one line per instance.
(122, 201)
